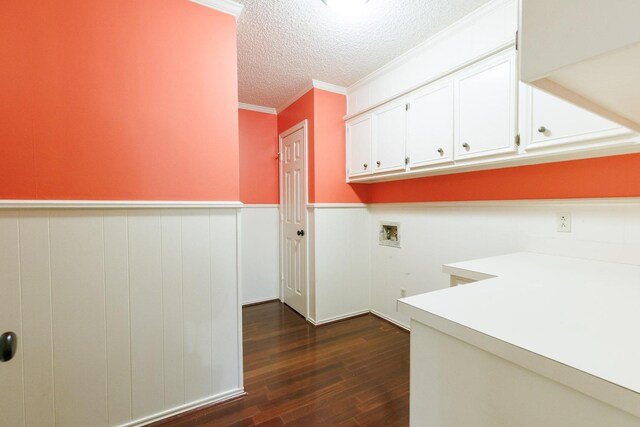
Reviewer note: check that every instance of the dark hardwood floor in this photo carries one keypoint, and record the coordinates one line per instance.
(349, 373)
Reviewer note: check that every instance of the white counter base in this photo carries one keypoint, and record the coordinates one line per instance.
(554, 325)
(455, 384)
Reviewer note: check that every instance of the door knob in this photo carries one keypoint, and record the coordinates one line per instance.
(378, 163)
(441, 151)
(466, 146)
(365, 165)
(300, 233)
(542, 129)
(8, 346)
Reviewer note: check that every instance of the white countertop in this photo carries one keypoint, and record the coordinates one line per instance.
(582, 314)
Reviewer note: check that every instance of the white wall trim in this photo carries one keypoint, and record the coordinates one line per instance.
(336, 205)
(257, 108)
(219, 398)
(618, 201)
(294, 98)
(337, 318)
(317, 84)
(483, 10)
(341, 90)
(239, 297)
(390, 320)
(261, 300)
(225, 6)
(114, 204)
(260, 206)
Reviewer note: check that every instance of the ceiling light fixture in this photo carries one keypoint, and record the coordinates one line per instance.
(345, 7)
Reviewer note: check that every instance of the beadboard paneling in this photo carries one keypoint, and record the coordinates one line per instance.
(11, 372)
(121, 314)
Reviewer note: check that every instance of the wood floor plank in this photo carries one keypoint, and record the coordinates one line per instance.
(350, 373)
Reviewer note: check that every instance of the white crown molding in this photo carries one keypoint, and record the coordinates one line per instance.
(464, 21)
(257, 108)
(314, 84)
(118, 204)
(329, 87)
(294, 98)
(225, 6)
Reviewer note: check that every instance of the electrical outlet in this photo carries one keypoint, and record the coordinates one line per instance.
(564, 222)
(403, 292)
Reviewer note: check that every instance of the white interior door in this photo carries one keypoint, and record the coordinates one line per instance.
(293, 197)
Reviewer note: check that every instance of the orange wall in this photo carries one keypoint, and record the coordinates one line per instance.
(301, 110)
(330, 152)
(327, 154)
(117, 100)
(615, 176)
(258, 158)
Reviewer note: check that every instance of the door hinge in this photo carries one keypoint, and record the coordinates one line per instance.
(407, 106)
(517, 33)
(406, 160)
(518, 140)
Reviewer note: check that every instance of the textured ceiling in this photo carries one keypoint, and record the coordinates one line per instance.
(283, 44)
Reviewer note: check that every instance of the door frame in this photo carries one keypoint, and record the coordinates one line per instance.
(301, 125)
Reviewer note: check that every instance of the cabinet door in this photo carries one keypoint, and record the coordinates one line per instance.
(359, 134)
(553, 121)
(430, 126)
(390, 137)
(486, 108)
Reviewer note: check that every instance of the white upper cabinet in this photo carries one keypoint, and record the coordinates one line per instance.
(486, 96)
(359, 143)
(468, 110)
(585, 51)
(390, 134)
(550, 121)
(430, 125)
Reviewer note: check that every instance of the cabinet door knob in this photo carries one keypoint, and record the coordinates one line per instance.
(542, 129)
(365, 165)
(300, 233)
(378, 163)
(441, 151)
(466, 146)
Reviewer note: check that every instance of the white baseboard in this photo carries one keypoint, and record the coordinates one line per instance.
(219, 398)
(390, 320)
(336, 318)
(261, 300)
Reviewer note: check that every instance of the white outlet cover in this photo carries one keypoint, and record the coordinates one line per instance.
(564, 222)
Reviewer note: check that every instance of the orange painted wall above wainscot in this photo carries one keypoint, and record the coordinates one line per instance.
(614, 176)
(330, 152)
(324, 112)
(301, 109)
(126, 100)
(258, 158)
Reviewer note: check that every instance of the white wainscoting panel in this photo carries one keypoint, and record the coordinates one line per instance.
(12, 404)
(122, 315)
(434, 235)
(341, 246)
(260, 253)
